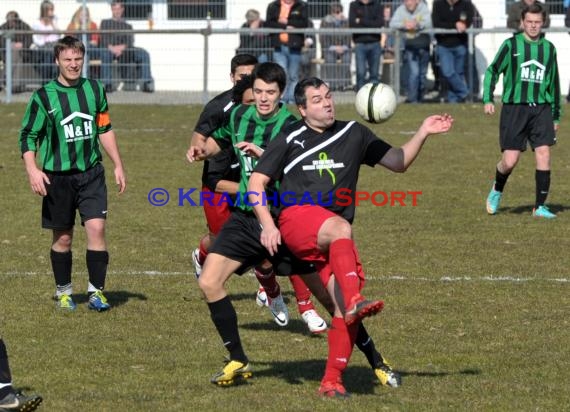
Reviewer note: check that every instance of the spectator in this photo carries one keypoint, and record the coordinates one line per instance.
(81, 20)
(366, 14)
(288, 14)
(134, 62)
(452, 47)
(308, 53)
(21, 43)
(43, 42)
(254, 43)
(514, 14)
(336, 49)
(412, 17)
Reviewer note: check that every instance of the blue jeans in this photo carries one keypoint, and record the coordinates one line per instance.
(106, 58)
(367, 58)
(290, 60)
(452, 68)
(134, 64)
(416, 62)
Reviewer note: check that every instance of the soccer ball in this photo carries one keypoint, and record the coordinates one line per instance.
(376, 103)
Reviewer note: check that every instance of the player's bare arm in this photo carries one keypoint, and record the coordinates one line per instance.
(203, 152)
(38, 179)
(227, 186)
(270, 235)
(109, 142)
(399, 159)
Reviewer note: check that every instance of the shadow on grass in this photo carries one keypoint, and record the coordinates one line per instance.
(357, 379)
(295, 325)
(115, 298)
(527, 209)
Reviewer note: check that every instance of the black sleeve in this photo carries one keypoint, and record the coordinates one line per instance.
(211, 118)
(375, 148)
(272, 162)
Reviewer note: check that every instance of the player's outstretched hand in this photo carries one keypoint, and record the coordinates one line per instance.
(489, 108)
(437, 123)
(250, 149)
(195, 153)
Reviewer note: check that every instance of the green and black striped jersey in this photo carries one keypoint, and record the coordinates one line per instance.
(245, 125)
(64, 124)
(530, 73)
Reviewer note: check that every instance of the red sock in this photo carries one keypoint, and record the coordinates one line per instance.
(343, 263)
(341, 341)
(267, 279)
(204, 244)
(302, 294)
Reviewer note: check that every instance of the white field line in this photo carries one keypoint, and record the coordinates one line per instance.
(458, 279)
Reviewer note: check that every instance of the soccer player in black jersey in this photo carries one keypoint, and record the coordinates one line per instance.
(317, 157)
(531, 105)
(220, 176)
(10, 399)
(220, 173)
(66, 121)
(238, 243)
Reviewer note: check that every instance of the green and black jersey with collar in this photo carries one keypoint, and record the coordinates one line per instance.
(63, 124)
(530, 73)
(245, 125)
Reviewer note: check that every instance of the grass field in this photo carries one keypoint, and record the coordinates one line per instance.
(477, 306)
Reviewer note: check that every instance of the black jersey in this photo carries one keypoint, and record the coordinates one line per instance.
(314, 168)
(223, 166)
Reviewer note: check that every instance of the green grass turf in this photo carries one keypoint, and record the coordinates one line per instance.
(476, 311)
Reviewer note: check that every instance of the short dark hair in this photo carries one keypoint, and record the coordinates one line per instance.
(534, 8)
(68, 42)
(242, 60)
(301, 88)
(271, 73)
(246, 82)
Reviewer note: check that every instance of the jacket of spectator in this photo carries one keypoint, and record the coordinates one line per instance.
(414, 38)
(298, 18)
(445, 14)
(13, 22)
(366, 16)
(116, 38)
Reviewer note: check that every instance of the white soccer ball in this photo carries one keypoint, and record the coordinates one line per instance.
(376, 103)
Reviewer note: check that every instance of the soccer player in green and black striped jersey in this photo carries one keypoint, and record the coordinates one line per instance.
(66, 122)
(531, 105)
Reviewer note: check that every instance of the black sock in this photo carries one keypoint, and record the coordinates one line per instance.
(224, 317)
(500, 180)
(542, 178)
(366, 345)
(97, 261)
(5, 376)
(61, 265)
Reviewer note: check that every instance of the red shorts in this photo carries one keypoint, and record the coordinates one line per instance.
(299, 227)
(216, 213)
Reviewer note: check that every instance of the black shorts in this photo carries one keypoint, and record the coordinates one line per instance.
(239, 240)
(524, 124)
(66, 193)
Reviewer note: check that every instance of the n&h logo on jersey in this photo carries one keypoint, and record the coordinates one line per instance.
(532, 71)
(77, 129)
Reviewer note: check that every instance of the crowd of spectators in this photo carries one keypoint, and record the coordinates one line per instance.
(295, 52)
(36, 50)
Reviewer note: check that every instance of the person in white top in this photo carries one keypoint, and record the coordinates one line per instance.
(43, 42)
